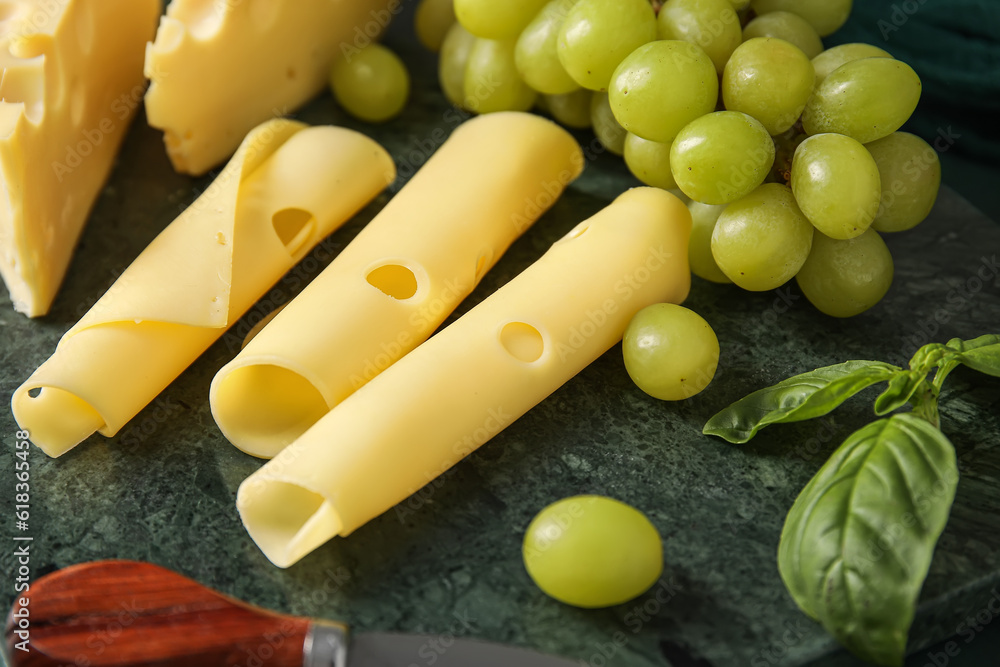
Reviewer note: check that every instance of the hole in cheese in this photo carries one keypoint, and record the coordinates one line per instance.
(34, 392)
(295, 227)
(262, 407)
(395, 280)
(522, 341)
(77, 103)
(26, 85)
(85, 26)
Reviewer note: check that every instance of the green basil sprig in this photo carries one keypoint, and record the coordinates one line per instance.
(857, 543)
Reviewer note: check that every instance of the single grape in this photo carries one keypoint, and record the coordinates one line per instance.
(592, 551)
(431, 21)
(649, 161)
(842, 277)
(670, 352)
(496, 20)
(492, 82)
(597, 35)
(455, 50)
(646, 89)
(910, 172)
(836, 184)
(536, 56)
(721, 157)
(703, 219)
(834, 57)
(865, 99)
(787, 26)
(761, 240)
(570, 109)
(372, 84)
(608, 131)
(824, 15)
(711, 24)
(769, 79)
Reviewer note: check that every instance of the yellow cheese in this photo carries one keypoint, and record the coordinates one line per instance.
(398, 280)
(72, 80)
(454, 392)
(287, 187)
(220, 67)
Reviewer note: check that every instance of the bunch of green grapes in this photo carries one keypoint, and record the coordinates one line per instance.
(790, 154)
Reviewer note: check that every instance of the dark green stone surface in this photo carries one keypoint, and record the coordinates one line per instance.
(449, 560)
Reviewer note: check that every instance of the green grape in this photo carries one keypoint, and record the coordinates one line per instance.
(845, 277)
(721, 157)
(910, 172)
(834, 57)
(836, 184)
(455, 50)
(769, 79)
(761, 241)
(661, 87)
(670, 352)
(608, 131)
(711, 24)
(703, 219)
(490, 19)
(492, 82)
(739, 5)
(649, 161)
(598, 34)
(787, 26)
(592, 551)
(536, 56)
(825, 16)
(865, 99)
(571, 109)
(372, 85)
(431, 21)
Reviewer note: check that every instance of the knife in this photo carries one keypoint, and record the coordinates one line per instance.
(118, 613)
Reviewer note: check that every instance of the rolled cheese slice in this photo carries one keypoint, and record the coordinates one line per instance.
(398, 280)
(71, 83)
(464, 385)
(218, 68)
(286, 188)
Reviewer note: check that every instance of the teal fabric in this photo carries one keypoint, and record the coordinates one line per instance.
(954, 46)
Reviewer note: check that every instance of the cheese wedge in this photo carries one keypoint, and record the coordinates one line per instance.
(287, 187)
(220, 67)
(72, 80)
(398, 279)
(465, 384)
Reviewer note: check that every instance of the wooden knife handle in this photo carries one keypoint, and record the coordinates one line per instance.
(124, 613)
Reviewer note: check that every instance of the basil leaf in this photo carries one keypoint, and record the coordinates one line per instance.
(981, 354)
(858, 541)
(800, 397)
(901, 388)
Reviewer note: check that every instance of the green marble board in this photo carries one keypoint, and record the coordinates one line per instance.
(448, 561)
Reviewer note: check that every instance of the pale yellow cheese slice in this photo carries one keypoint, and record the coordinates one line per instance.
(398, 280)
(287, 187)
(220, 67)
(465, 384)
(72, 80)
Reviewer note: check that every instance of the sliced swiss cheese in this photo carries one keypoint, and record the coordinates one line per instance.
(287, 187)
(72, 80)
(220, 67)
(398, 280)
(468, 382)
